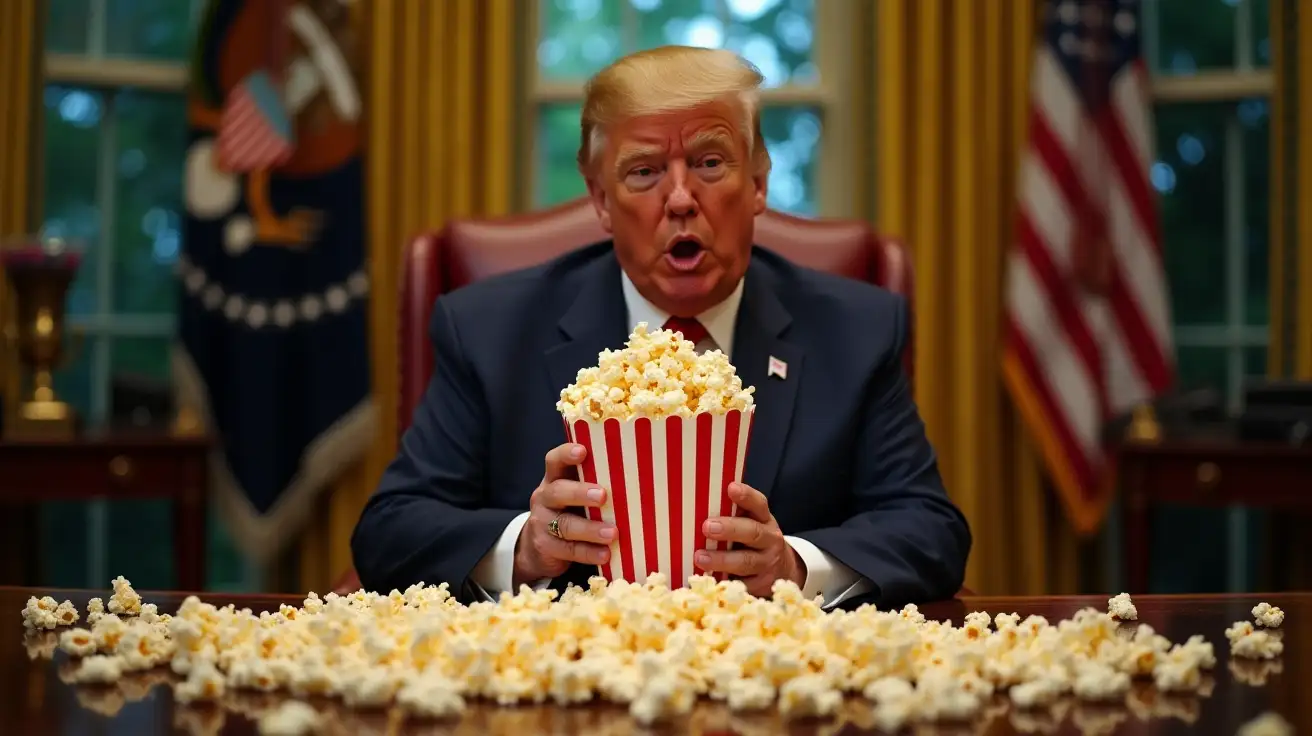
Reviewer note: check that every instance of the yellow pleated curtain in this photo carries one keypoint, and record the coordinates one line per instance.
(951, 94)
(442, 94)
(20, 81)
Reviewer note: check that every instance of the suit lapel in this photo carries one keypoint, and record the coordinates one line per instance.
(762, 319)
(594, 322)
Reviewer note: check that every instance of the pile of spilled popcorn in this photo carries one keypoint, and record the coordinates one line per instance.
(651, 648)
(656, 374)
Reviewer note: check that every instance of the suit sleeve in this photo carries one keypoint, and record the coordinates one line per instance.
(904, 534)
(428, 521)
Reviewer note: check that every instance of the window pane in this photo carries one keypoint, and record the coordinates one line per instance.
(558, 178)
(1190, 176)
(66, 26)
(1202, 367)
(1255, 362)
(792, 135)
(73, 379)
(578, 37)
(776, 37)
(151, 143)
(691, 22)
(155, 29)
(1194, 34)
(72, 144)
(1261, 10)
(143, 357)
(1255, 121)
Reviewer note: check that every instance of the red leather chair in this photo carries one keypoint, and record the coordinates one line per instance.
(468, 250)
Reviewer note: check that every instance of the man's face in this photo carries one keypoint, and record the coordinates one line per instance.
(678, 193)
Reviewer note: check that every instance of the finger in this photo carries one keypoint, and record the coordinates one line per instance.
(560, 461)
(734, 561)
(751, 502)
(572, 551)
(748, 532)
(562, 494)
(576, 528)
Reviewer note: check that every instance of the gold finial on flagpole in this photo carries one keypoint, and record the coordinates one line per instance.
(1144, 426)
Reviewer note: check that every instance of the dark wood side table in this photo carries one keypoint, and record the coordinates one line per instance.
(1214, 471)
(115, 466)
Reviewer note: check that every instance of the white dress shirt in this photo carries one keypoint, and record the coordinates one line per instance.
(825, 576)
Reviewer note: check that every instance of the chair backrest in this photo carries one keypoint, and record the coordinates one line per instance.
(468, 250)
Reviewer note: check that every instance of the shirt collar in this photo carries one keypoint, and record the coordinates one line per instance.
(719, 320)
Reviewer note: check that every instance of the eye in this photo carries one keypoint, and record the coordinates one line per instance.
(711, 162)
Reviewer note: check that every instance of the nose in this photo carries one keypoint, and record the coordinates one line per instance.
(680, 202)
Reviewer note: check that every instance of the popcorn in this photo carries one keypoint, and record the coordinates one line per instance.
(95, 611)
(657, 374)
(808, 696)
(99, 670)
(1267, 724)
(653, 649)
(1099, 682)
(77, 643)
(1121, 607)
(40, 613)
(431, 696)
(125, 601)
(292, 718)
(204, 683)
(1257, 645)
(1268, 615)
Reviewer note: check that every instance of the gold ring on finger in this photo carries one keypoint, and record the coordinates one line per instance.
(553, 526)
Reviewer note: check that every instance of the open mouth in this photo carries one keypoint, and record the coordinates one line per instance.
(685, 254)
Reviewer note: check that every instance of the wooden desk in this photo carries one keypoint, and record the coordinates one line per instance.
(34, 698)
(1205, 472)
(117, 466)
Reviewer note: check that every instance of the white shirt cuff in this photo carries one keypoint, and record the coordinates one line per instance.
(495, 573)
(826, 576)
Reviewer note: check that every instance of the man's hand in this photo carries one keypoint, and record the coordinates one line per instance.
(539, 554)
(761, 554)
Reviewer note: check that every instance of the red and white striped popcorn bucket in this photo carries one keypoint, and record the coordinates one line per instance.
(664, 478)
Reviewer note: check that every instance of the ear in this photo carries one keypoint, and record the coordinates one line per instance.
(761, 182)
(597, 195)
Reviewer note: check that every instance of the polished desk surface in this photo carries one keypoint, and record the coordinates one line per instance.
(35, 700)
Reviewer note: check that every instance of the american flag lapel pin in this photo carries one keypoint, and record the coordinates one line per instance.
(777, 368)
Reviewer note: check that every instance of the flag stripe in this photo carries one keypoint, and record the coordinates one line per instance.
(1087, 332)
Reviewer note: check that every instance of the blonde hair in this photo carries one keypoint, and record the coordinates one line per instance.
(666, 79)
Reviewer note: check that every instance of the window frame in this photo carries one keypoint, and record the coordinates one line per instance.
(832, 43)
(1233, 85)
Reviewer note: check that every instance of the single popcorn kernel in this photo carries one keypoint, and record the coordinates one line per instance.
(1121, 607)
(1268, 615)
(657, 374)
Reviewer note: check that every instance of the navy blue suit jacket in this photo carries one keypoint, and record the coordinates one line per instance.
(838, 448)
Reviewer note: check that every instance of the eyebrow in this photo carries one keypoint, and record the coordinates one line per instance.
(631, 155)
(713, 139)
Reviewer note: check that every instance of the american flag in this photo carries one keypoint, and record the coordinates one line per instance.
(255, 131)
(1088, 325)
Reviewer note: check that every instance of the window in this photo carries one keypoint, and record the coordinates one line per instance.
(795, 43)
(1211, 64)
(1212, 83)
(115, 136)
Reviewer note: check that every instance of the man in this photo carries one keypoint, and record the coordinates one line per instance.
(841, 489)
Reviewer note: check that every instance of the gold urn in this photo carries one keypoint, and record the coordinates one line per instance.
(40, 272)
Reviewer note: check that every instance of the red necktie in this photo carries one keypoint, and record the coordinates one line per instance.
(692, 330)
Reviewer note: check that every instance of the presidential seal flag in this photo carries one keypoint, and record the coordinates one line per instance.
(273, 350)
